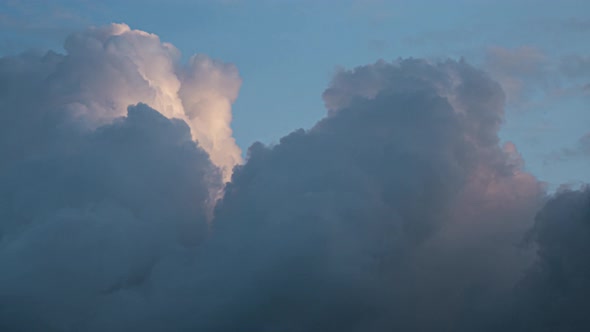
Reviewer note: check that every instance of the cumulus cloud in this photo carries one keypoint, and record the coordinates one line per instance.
(87, 221)
(400, 210)
(101, 205)
(399, 205)
(105, 69)
(553, 295)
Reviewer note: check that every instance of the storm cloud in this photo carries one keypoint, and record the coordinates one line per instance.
(401, 209)
(553, 294)
(399, 205)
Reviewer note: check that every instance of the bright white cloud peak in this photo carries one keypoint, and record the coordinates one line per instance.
(105, 69)
(397, 211)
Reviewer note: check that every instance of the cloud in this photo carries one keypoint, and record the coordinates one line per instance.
(88, 222)
(399, 205)
(520, 71)
(400, 210)
(530, 77)
(576, 24)
(105, 69)
(580, 149)
(103, 206)
(576, 66)
(208, 89)
(523, 60)
(553, 294)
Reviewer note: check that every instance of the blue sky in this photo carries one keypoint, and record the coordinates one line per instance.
(287, 52)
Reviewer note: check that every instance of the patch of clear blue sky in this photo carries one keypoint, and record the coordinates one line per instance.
(287, 51)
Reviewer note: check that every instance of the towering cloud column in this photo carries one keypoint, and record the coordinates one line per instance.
(106, 69)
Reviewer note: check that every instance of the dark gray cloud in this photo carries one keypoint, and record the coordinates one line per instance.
(86, 222)
(400, 210)
(397, 211)
(553, 295)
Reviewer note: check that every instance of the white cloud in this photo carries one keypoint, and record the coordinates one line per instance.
(105, 69)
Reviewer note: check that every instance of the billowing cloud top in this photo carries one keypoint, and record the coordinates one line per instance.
(400, 210)
(106, 69)
(399, 202)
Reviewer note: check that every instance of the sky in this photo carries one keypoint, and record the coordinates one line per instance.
(233, 165)
(287, 51)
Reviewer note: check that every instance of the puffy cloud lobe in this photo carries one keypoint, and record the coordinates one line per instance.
(87, 225)
(553, 295)
(399, 205)
(106, 69)
(480, 104)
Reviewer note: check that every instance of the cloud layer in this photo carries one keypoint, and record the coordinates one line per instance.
(400, 210)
